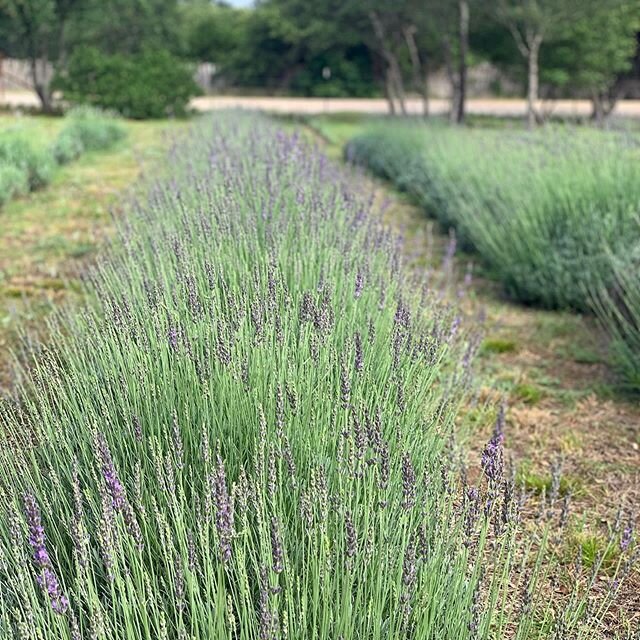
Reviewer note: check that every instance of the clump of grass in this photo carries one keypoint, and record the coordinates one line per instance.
(537, 206)
(528, 393)
(498, 345)
(247, 434)
(88, 129)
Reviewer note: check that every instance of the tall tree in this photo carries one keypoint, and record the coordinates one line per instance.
(532, 22)
(594, 52)
(37, 31)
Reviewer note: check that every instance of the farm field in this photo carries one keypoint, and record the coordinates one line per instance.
(254, 327)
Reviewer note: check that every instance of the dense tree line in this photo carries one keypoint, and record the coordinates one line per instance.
(346, 47)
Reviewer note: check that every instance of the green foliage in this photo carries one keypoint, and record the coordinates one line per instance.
(246, 431)
(67, 147)
(87, 129)
(18, 152)
(13, 182)
(152, 84)
(538, 207)
(595, 48)
(498, 345)
(618, 308)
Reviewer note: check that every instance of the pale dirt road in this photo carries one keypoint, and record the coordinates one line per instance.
(314, 106)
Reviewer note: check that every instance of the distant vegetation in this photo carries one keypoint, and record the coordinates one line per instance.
(25, 166)
(137, 56)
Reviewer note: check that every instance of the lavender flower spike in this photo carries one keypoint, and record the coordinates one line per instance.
(47, 578)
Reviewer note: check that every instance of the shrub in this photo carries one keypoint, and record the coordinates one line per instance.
(17, 152)
(618, 308)
(246, 435)
(67, 147)
(87, 129)
(152, 84)
(13, 181)
(538, 207)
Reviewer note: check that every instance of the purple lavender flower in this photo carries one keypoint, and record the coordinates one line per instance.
(224, 510)
(408, 482)
(277, 555)
(627, 535)
(172, 337)
(359, 357)
(359, 284)
(350, 536)
(47, 578)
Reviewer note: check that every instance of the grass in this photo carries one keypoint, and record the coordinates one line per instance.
(160, 476)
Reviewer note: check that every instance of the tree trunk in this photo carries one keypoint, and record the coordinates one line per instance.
(425, 90)
(420, 70)
(603, 103)
(388, 92)
(41, 85)
(463, 35)
(396, 75)
(533, 80)
(448, 59)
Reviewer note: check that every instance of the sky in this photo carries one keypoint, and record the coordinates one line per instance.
(240, 3)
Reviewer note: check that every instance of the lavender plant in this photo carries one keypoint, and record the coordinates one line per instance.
(87, 129)
(618, 308)
(538, 207)
(247, 433)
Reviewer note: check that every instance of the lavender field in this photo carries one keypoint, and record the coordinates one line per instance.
(250, 431)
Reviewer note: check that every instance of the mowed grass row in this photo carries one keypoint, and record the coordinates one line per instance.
(247, 433)
(26, 164)
(553, 213)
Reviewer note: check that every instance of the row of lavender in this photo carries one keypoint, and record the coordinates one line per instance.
(552, 213)
(247, 433)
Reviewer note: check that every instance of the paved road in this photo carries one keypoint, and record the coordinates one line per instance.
(484, 106)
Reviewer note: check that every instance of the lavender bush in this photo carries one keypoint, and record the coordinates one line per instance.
(247, 433)
(618, 308)
(537, 206)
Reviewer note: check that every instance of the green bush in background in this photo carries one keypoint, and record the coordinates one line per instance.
(13, 182)
(88, 129)
(151, 84)
(37, 166)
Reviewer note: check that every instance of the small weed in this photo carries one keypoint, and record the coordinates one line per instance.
(498, 345)
(528, 393)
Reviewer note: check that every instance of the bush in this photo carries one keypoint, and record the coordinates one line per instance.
(67, 147)
(538, 207)
(13, 182)
(246, 436)
(618, 308)
(87, 129)
(152, 84)
(38, 166)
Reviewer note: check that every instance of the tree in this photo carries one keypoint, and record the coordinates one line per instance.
(37, 31)
(530, 23)
(594, 51)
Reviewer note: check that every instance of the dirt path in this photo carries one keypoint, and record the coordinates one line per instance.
(506, 107)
